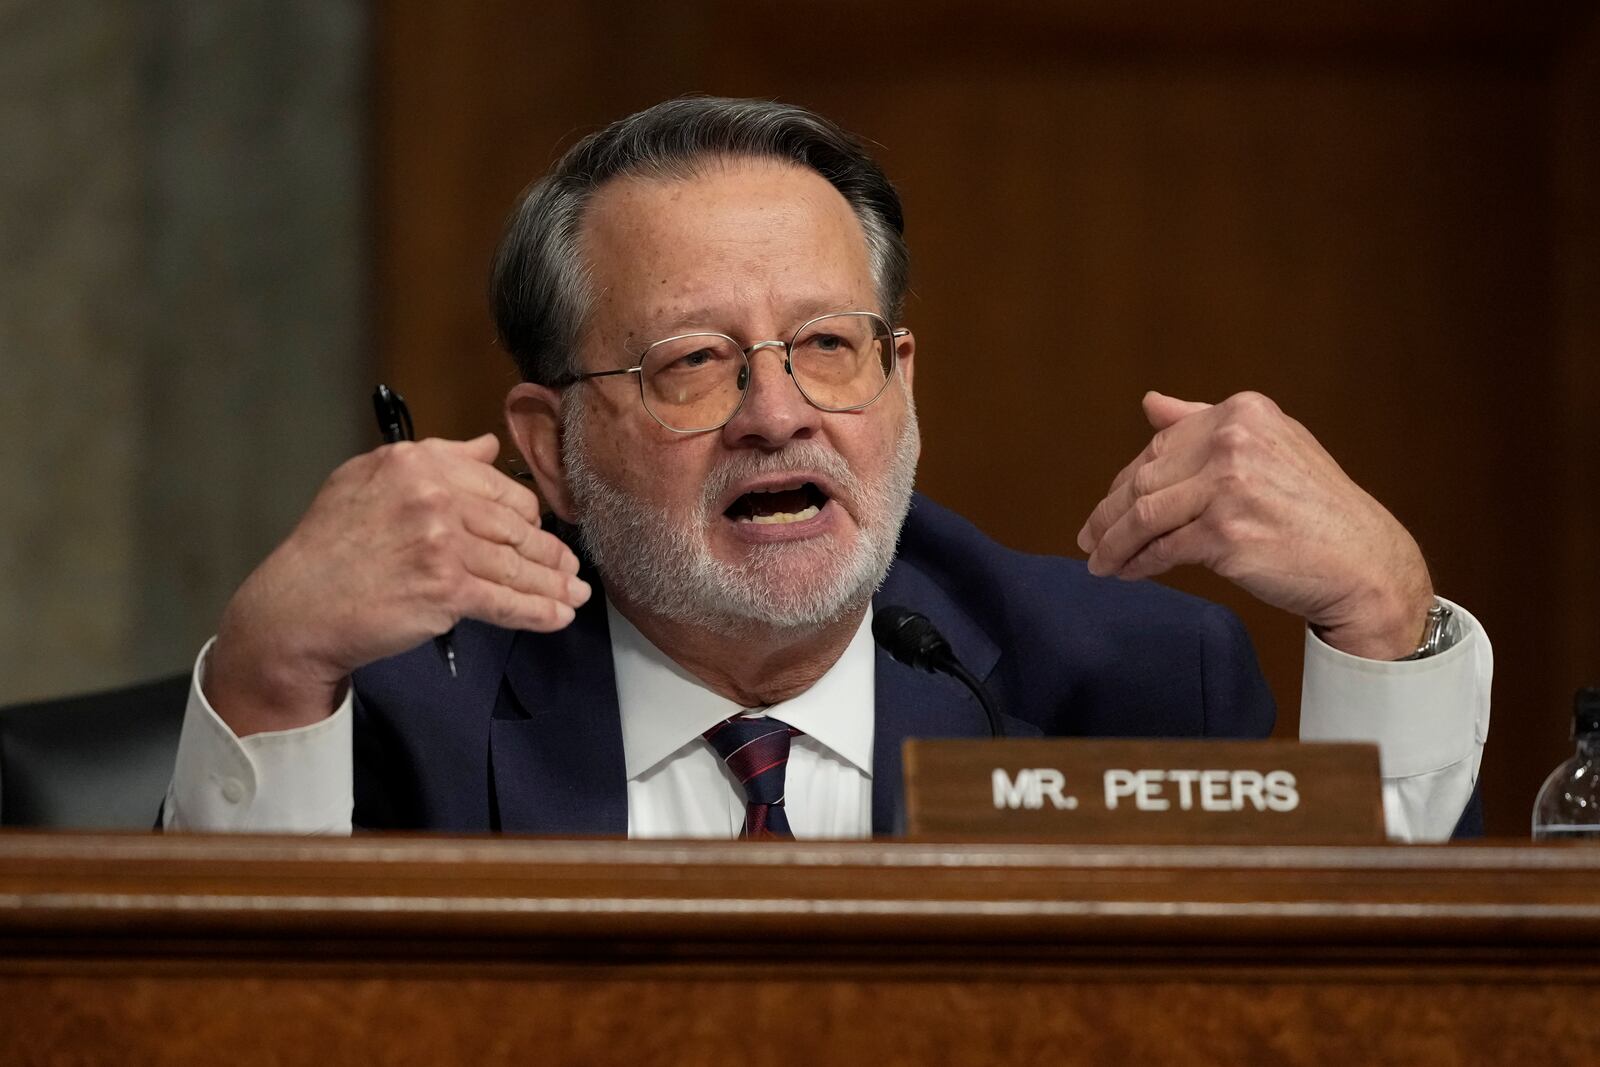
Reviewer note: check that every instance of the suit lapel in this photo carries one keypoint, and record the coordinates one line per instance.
(912, 703)
(555, 752)
(556, 749)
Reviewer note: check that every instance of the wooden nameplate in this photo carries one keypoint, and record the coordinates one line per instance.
(1145, 792)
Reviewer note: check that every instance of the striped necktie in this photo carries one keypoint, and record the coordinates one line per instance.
(756, 750)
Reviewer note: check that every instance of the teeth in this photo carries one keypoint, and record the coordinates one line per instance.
(809, 511)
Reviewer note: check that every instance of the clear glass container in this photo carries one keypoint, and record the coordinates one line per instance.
(1568, 805)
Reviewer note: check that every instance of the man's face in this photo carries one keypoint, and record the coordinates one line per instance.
(751, 249)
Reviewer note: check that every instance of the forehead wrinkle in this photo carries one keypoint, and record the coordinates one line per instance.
(692, 313)
(732, 317)
(656, 289)
(803, 219)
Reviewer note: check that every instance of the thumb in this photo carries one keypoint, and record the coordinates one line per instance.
(485, 448)
(1162, 410)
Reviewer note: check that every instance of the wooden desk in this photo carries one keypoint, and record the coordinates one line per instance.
(238, 950)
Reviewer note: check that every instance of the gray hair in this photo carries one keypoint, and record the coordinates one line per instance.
(541, 289)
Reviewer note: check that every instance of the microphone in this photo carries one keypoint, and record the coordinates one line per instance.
(913, 640)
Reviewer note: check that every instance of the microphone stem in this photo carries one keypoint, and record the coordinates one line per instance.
(951, 666)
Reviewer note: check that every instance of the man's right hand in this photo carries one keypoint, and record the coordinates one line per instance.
(399, 544)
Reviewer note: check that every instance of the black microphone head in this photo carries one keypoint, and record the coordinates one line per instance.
(910, 638)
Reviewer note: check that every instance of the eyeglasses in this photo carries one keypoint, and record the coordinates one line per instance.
(696, 382)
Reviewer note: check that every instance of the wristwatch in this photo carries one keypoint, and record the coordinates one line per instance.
(1437, 634)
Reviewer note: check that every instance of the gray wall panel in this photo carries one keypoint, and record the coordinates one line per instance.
(181, 343)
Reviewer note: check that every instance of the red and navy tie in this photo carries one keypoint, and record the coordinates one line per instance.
(756, 750)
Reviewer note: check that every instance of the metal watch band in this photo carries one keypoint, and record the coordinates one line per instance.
(1437, 635)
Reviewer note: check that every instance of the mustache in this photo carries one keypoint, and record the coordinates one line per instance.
(795, 456)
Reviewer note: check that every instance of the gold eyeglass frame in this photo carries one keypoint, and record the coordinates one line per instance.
(895, 333)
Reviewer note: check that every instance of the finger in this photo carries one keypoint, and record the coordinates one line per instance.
(1170, 458)
(485, 448)
(1163, 411)
(1103, 515)
(492, 521)
(502, 565)
(1089, 535)
(497, 604)
(469, 464)
(1150, 476)
(1150, 517)
(1148, 453)
(1170, 550)
(481, 478)
(1170, 440)
(504, 489)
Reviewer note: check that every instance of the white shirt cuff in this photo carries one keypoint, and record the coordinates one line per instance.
(284, 781)
(1429, 718)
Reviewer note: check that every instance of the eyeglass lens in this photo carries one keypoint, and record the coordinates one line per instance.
(839, 362)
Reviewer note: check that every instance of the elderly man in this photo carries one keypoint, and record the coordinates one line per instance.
(704, 301)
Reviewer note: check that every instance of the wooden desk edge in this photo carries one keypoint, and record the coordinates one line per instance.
(550, 898)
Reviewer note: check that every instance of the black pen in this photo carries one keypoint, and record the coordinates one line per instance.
(394, 422)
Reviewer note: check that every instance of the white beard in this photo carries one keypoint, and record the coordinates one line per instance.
(661, 560)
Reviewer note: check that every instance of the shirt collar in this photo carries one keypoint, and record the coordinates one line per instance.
(664, 707)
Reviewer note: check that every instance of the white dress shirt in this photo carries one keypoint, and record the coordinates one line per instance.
(679, 787)
(1429, 717)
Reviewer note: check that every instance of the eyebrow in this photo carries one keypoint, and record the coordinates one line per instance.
(701, 319)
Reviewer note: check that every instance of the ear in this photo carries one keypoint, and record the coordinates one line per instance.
(904, 349)
(533, 415)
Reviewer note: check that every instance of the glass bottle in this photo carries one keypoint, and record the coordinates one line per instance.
(1568, 806)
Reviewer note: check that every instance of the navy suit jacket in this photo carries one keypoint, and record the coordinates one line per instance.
(529, 738)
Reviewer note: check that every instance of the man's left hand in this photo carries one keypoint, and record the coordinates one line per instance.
(1244, 490)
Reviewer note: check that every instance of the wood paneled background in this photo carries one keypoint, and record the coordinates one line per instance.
(1380, 214)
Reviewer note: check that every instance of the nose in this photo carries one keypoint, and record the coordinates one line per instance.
(774, 411)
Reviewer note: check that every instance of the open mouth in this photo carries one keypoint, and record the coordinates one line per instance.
(795, 504)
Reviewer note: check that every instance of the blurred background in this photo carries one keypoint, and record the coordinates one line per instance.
(221, 223)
